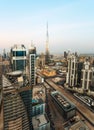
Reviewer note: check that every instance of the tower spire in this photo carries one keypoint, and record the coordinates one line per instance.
(47, 48)
(47, 38)
(47, 29)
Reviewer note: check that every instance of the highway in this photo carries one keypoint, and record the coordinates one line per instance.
(80, 107)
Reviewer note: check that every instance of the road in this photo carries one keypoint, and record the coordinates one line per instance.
(80, 107)
(55, 116)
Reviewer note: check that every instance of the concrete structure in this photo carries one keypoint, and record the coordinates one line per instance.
(32, 58)
(67, 109)
(87, 76)
(71, 78)
(18, 57)
(41, 122)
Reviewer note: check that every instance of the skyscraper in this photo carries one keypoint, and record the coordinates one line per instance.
(0, 81)
(15, 114)
(47, 56)
(18, 57)
(87, 75)
(32, 58)
(72, 70)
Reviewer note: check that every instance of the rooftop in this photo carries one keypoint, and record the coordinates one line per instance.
(80, 125)
(63, 102)
(39, 93)
(39, 120)
(18, 46)
(15, 73)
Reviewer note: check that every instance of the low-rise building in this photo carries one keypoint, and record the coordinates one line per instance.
(66, 108)
(48, 72)
(41, 122)
(80, 125)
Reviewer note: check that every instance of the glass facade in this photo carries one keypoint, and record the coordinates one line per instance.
(18, 58)
(19, 64)
(27, 99)
(19, 53)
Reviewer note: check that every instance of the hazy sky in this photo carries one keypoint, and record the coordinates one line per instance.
(71, 24)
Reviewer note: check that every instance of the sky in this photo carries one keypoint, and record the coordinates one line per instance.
(70, 24)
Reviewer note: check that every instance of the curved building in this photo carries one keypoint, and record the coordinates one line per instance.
(15, 114)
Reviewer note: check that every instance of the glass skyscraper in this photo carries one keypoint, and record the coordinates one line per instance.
(18, 57)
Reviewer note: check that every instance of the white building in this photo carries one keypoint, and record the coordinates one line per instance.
(32, 58)
(87, 76)
(71, 78)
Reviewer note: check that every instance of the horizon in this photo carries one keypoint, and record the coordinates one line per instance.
(70, 25)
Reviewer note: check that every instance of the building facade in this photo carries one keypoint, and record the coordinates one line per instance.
(66, 108)
(37, 107)
(0, 82)
(87, 78)
(32, 58)
(18, 57)
(71, 78)
(41, 122)
(15, 114)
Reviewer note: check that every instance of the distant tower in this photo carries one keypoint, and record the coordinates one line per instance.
(47, 57)
(4, 53)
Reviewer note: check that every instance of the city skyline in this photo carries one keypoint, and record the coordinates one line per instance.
(70, 24)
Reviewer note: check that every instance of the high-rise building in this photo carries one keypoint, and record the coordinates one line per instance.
(47, 55)
(32, 58)
(26, 95)
(15, 114)
(87, 76)
(41, 60)
(0, 81)
(79, 71)
(71, 78)
(18, 57)
(65, 54)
